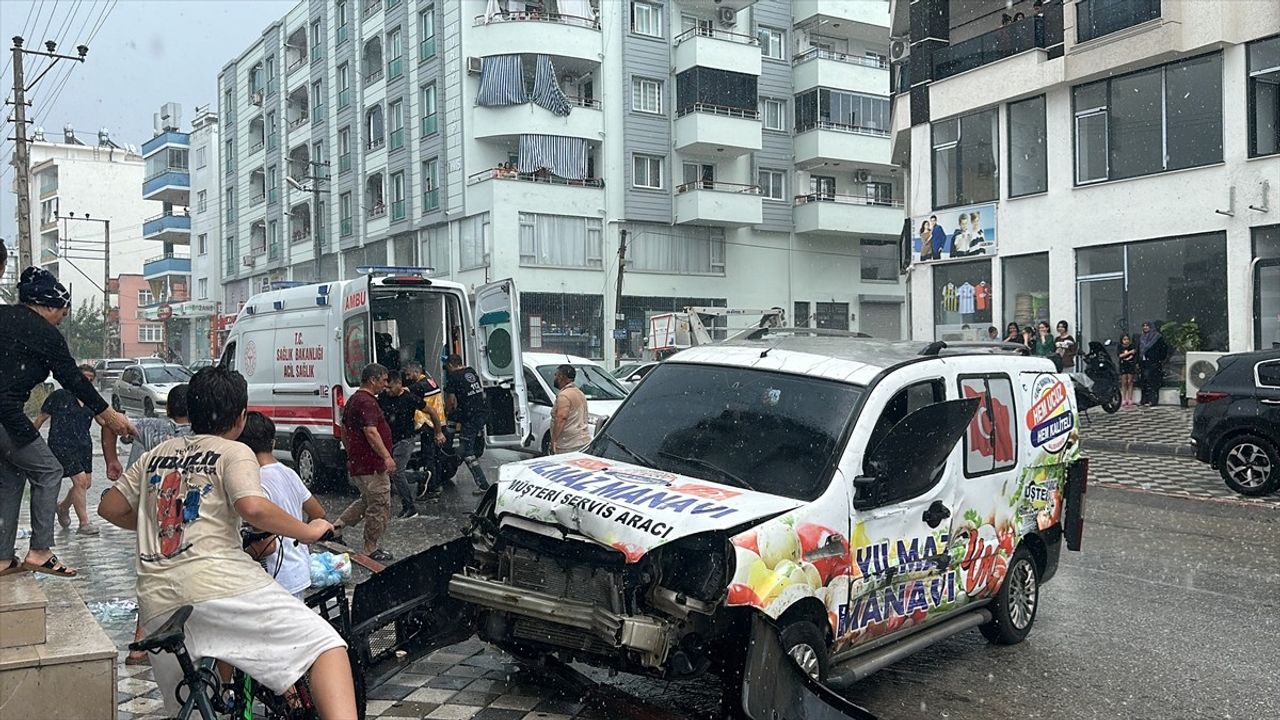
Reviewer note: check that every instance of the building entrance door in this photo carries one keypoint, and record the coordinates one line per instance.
(1100, 302)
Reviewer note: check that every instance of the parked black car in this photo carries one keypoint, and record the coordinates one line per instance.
(1237, 422)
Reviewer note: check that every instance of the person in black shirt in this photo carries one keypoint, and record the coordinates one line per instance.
(398, 405)
(431, 398)
(467, 405)
(69, 441)
(30, 348)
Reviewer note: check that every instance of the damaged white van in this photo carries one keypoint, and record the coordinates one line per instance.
(871, 498)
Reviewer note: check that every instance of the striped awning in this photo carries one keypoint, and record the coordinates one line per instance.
(546, 91)
(565, 157)
(502, 82)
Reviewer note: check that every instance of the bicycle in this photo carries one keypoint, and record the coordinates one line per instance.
(207, 694)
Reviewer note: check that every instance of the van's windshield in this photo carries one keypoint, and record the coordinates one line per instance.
(772, 432)
(592, 380)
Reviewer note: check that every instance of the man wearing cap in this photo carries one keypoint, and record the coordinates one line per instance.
(30, 348)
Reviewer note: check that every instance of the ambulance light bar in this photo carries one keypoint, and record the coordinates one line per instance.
(394, 270)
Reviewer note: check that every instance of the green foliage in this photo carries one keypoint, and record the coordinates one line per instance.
(83, 330)
(1182, 337)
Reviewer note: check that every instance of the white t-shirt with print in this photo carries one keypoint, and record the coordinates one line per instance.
(285, 488)
(184, 493)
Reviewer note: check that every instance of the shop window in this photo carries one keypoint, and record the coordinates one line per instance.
(1163, 118)
(964, 160)
(831, 315)
(1266, 287)
(1264, 97)
(962, 301)
(1025, 286)
(565, 323)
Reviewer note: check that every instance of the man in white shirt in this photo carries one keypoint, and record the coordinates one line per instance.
(287, 561)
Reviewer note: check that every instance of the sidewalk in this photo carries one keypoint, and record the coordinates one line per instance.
(1160, 430)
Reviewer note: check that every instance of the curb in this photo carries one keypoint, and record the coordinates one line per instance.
(1140, 448)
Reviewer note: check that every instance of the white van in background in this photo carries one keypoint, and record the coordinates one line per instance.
(302, 350)
(604, 394)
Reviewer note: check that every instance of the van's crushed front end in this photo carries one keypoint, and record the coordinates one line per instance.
(618, 565)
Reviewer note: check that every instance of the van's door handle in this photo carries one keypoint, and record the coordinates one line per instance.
(1271, 402)
(935, 514)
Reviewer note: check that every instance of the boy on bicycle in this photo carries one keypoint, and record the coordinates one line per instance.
(186, 499)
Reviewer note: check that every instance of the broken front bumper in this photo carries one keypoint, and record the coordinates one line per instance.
(648, 637)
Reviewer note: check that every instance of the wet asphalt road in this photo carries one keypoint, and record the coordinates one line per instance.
(1171, 611)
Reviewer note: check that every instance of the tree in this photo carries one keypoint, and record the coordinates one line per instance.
(83, 330)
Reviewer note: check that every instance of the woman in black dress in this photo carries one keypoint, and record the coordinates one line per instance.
(1152, 352)
(1128, 368)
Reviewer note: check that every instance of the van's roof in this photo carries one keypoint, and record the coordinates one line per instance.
(301, 296)
(537, 359)
(835, 356)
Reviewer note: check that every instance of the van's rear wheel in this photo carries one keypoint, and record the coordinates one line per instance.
(1014, 611)
(804, 642)
(307, 464)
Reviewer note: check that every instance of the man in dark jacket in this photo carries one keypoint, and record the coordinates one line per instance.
(30, 348)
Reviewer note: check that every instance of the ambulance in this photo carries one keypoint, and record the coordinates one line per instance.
(868, 498)
(302, 350)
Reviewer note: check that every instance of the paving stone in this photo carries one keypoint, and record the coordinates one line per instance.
(493, 713)
(467, 697)
(466, 671)
(453, 712)
(449, 683)
(390, 692)
(430, 695)
(524, 703)
(142, 705)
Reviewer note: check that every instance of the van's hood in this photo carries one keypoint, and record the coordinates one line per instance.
(630, 508)
(605, 408)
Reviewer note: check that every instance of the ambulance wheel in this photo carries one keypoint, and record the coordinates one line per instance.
(804, 642)
(1014, 611)
(546, 444)
(307, 464)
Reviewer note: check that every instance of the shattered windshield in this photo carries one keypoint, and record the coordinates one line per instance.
(766, 431)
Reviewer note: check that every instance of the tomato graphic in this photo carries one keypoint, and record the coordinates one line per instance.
(740, 594)
(827, 549)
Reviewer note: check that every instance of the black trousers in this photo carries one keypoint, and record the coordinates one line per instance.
(1152, 377)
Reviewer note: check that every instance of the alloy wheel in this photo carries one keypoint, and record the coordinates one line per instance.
(807, 658)
(1249, 465)
(1022, 594)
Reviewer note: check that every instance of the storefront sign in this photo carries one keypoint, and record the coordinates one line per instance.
(966, 232)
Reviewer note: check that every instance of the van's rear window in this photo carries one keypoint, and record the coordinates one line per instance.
(774, 432)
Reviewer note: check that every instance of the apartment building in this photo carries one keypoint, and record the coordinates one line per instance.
(1105, 163)
(717, 152)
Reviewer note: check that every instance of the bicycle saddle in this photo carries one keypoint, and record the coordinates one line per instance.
(168, 637)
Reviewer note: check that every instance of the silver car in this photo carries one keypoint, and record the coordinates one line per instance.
(144, 389)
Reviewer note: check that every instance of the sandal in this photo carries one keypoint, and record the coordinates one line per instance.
(136, 659)
(13, 568)
(51, 567)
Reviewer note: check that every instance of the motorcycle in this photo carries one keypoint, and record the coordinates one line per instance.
(1099, 385)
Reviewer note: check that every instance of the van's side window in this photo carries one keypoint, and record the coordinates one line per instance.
(990, 443)
(537, 395)
(355, 349)
(906, 401)
(229, 357)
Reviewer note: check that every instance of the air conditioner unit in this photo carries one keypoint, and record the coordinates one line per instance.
(861, 176)
(1200, 367)
(727, 16)
(474, 65)
(247, 261)
(256, 98)
(899, 49)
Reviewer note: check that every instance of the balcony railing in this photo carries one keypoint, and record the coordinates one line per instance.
(846, 200)
(717, 34)
(378, 210)
(166, 221)
(299, 121)
(297, 63)
(1112, 17)
(427, 48)
(344, 97)
(344, 162)
(342, 35)
(301, 235)
(231, 215)
(431, 200)
(317, 113)
(375, 143)
(593, 103)
(841, 127)
(395, 68)
(170, 137)
(273, 195)
(165, 171)
(317, 53)
(824, 54)
(1018, 37)
(539, 16)
(371, 7)
(257, 145)
(397, 210)
(717, 186)
(509, 174)
(373, 76)
(430, 124)
(397, 139)
(258, 199)
(718, 110)
(273, 251)
(273, 141)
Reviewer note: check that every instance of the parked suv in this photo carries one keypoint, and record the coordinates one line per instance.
(1236, 428)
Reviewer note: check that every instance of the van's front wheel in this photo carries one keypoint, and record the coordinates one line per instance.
(1014, 611)
(805, 644)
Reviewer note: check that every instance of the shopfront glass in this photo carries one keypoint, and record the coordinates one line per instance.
(962, 300)
(1266, 287)
(1025, 286)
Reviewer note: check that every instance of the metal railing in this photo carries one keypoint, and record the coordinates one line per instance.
(538, 16)
(375, 143)
(815, 53)
(299, 121)
(300, 235)
(845, 200)
(717, 186)
(427, 48)
(165, 256)
(841, 127)
(1007, 41)
(373, 76)
(397, 139)
(593, 103)
(344, 97)
(716, 34)
(344, 162)
(371, 7)
(430, 124)
(708, 108)
(431, 200)
(163, 215)
(294, 65)
(344, 227)
(165, 171)
(378, 210)
(395, 68)
(258, 199)
(397, 210)
(1112, 17)
(511, 174)
(342, 35)
(255, 147)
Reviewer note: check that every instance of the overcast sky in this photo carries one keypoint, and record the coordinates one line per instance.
(145, 53)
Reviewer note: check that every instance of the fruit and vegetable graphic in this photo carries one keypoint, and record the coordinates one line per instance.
(785, 560)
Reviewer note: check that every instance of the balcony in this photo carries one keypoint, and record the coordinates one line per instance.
(431, 200)
(718, 203)
(497, 188)
(171, 185)
(379, 209)
(825, 143)
(534, 32)
(869, 15)
(372, 7)
(373, 76)
(176, 139)
(1004, 42)
(585, 120)
(169, 227)
(299, 121)
(853, 73)
(848, 215)
(718, 49)
(167, 264)
(719, 131)
(1106, 18)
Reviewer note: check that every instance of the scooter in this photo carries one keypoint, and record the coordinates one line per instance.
(1099, 385)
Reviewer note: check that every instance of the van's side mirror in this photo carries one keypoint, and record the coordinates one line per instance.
(905, 463)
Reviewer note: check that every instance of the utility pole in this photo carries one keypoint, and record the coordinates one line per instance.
(22, 153)
(315, 214)
(619, 320)
(106, 276)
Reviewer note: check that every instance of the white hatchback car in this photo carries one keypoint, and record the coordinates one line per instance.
(604, 393)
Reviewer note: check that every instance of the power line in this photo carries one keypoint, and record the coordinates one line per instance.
(102, 17)
(33, 9)
(66, 24)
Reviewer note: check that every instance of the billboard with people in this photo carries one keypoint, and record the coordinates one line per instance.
(966, 232)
